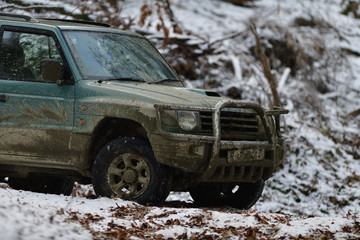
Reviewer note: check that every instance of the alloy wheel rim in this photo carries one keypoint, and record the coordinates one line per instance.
(129, 175)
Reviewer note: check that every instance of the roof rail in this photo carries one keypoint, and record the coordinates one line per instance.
(27, 18)
(78, 21)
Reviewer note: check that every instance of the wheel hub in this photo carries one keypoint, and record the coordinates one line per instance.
(129, 176)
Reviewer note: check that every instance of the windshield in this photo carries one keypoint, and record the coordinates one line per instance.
(107, 56)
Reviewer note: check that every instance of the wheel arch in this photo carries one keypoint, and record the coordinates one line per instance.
(110, 128)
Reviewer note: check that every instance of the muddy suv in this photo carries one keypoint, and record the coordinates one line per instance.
(85, 102)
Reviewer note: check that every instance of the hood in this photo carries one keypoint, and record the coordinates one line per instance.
(154, 93)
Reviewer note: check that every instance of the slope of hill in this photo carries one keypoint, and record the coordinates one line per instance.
(314, 54)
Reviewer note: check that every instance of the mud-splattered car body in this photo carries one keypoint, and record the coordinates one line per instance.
(57, 127)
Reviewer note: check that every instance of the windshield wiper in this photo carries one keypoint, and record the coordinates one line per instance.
(121, 79)
(165, 79)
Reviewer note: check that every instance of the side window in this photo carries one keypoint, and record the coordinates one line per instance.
(38, 48)
(23, 55)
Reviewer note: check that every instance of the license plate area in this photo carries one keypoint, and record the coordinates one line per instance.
(245, 155)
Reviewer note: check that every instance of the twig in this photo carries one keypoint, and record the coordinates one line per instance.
(25, 8)
(175, 24)
(266, 67)
(259, 78)
(283, 78)
(225, 38)
(354, 114)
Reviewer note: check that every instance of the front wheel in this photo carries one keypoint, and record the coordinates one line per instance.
(126, 167)
(241, 196)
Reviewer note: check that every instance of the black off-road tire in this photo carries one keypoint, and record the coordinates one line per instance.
(126, 167)
(241, 196)
(42, 184)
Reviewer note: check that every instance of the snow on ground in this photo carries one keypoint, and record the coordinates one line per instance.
(28, 215)
(321, 173)
(320, 177)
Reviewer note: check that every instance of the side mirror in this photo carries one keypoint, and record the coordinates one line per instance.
(51, 71)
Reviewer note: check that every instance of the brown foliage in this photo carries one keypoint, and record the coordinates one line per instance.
(162, 8)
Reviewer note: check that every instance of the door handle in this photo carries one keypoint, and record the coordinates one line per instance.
(4, 97)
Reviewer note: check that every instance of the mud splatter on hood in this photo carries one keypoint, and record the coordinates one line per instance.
(154, 93)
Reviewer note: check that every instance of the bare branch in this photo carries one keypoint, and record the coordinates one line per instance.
(260, 80)
(266, 66)
(225, 38)
(354, 114)
(25, 8)
(175, 24)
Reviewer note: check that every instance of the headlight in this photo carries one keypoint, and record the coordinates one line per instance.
(188, 120)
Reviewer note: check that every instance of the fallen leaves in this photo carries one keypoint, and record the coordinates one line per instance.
(136, 221)
(123, 220)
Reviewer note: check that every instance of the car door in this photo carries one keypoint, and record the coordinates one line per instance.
(36, 115)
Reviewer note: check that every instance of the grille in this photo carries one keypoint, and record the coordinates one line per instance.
(234, 125)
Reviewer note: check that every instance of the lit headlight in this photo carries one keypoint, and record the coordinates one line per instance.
(188, 120)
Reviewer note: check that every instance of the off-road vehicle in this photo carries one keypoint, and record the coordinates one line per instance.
(83, 101)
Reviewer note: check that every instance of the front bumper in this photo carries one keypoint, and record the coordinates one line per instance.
(217, 160)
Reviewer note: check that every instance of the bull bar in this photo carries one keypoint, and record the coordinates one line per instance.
(272, 137)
